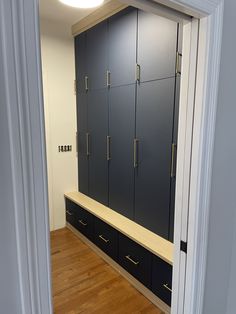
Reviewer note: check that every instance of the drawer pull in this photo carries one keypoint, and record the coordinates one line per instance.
(131, 260)
(69, 213)
(103, 239)
(167, 287)
(83, 223)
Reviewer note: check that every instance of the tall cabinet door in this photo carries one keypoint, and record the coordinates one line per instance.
(174, 159)
(97, 141)
(122, 130)
(82, 145)
(175, 140)
(157, 44)
(97, 55)
(154, 121)
(80, 62)
(122, 47)
(81, 99)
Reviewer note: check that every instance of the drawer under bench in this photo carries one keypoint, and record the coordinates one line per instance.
(149, 269)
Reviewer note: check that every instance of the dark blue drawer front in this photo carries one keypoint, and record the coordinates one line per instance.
(135, 259)
(70, 212)
(80, 218)
(162, 279)
(106, 238)
(84, 222)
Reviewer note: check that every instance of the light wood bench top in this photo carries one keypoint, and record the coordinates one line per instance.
(152, 242)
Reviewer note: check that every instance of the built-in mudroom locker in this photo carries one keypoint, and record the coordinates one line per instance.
(127, 87)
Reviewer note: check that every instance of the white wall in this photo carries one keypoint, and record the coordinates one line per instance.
(220, 285)
(60, 115)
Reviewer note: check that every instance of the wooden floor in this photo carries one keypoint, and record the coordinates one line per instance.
(84, 283)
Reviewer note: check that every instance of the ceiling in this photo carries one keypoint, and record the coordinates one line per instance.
(56, 11)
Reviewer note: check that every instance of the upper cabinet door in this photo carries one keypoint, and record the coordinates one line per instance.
(97, 54)
(97, 145)
(157, 45)
(82, 142)
(154, 127)
(122, 47)
(80, 61)
(122, 130)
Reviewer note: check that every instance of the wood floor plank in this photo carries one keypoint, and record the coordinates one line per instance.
(84, 283)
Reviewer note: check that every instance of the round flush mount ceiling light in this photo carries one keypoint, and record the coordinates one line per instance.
(84, 4)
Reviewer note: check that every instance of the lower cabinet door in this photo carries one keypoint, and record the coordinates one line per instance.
(135, 259)
(84, 222)
(162, 279)
(106, 238)
(70, 212)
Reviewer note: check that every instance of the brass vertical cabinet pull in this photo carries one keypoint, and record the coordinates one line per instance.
(173, 149)
(77, 146)
(108, 148)
(138, 73)
(178, 62)
(86, 83)
(87, 144)
(135, 153)
(108, 79)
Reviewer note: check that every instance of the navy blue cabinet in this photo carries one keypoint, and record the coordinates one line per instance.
(135, 259)
(128, 116)
(97, 55)
(175, 141)
(154, 126)
(162, 279)
(174, 159)
(122, 47)
(80, 62)
(149, 269)
(84, 222)
(122, 130)
(82, 114)
(106, 238)
(97, 145)
(70, 212)
(157, 44)
(82, 126)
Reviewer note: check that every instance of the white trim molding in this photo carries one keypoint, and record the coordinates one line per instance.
(208, 67)
(22, 78)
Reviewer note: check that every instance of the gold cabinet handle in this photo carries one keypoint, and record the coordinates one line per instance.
(86, 83)
(138, 72)
(166, 286)
(131, 260)
(178, 62)
(108, 148)
(83, 223)
(87, 143)
(135, 153)
(173, 149)
(108, 79)
(77, 138)
(69, 213)
(103, 239)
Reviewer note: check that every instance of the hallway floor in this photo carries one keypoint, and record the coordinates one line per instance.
(84, 283)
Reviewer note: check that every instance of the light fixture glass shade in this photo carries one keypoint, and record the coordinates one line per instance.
(84, 4)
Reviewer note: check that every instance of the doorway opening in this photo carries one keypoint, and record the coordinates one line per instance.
(60, 112)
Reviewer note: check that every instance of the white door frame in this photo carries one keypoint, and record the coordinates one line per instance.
(23, 81)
